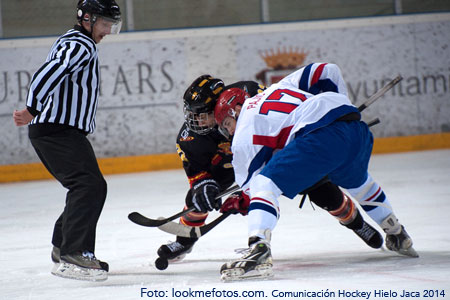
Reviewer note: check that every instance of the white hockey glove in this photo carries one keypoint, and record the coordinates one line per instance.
(204, 195)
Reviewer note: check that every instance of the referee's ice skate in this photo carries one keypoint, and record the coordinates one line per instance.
(80, 266)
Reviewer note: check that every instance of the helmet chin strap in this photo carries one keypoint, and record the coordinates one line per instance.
(90, 19)
(92, 22)
(232, 113)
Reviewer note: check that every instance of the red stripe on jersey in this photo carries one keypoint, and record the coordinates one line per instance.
(216, 160)
(317, 74)
(274, 142)
(200, 176)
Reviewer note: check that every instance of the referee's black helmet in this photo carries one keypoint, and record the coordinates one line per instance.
(103, 8)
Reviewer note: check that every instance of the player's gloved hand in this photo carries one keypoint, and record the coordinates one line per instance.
(236, 203)
(204, 195)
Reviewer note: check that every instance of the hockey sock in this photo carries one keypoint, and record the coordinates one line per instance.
(329, 197)
(347, 214)
(263, 213)
(372, 200)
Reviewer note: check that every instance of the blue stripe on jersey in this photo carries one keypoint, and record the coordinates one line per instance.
(380, 199)
(327, 119)
(263, 156)
(323, 85)
(263, 206)
(304, 80)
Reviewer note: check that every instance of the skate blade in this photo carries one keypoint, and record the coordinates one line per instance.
(71, 271)
(260, 272)
(408, 252)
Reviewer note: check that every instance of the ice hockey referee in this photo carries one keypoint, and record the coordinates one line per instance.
(60, 111)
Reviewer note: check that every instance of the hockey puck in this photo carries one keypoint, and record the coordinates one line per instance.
(161, 263)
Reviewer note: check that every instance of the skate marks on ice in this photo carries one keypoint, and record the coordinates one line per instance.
(385, 266)
(417, 183)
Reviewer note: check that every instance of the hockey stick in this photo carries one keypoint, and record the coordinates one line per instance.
(142, 220)
(380, 93)
(373, 122)
(191, 231)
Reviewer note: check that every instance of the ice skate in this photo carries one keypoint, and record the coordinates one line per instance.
(176, 251)
(397, 239)
(80, 266)
(256, 264)
(369, 235)
(56, 257)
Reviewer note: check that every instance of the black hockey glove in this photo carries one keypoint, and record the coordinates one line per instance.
(204, 195)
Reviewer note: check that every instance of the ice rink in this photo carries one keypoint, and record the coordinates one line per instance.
(312, 253)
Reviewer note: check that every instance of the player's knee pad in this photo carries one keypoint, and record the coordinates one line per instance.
(327, 196)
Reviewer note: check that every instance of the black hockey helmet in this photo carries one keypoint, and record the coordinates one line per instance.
(199, 101)
(107, 9)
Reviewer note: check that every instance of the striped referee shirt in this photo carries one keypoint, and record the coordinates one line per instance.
(65, 89)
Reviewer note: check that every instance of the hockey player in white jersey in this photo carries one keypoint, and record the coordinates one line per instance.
(317, 78)
(287, 139)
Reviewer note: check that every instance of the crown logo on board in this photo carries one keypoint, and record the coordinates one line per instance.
(280, 63)
(282, 59)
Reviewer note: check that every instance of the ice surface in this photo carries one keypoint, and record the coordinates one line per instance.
(311, 251)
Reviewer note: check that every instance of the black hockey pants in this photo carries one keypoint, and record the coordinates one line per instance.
(69, 157)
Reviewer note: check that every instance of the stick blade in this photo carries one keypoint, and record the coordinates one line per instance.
(191, 231)
(142, 220)
(181, 230)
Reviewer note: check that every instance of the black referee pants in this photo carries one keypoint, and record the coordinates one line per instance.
(69, 157)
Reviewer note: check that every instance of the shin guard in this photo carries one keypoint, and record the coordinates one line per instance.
(347, 212)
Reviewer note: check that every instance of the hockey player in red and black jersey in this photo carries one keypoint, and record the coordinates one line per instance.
(206, 157)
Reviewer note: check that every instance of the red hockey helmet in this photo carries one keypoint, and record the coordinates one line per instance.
(227, 102)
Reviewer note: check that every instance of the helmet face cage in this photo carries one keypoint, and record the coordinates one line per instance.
(200, 123)
(199, 102)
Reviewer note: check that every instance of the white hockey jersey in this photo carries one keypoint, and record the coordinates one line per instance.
(270, 120)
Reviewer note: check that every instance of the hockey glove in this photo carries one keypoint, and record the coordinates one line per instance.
(236, 203)
(204, 195)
